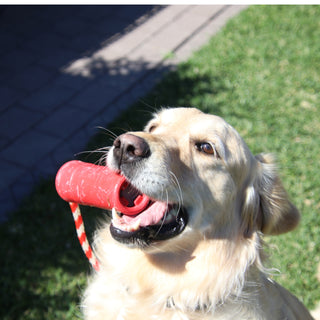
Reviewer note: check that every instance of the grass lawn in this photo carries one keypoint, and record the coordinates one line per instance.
(262, 74)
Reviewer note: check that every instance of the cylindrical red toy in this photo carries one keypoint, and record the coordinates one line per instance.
(98, 186)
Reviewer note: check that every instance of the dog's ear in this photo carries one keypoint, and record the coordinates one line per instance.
(266, 204)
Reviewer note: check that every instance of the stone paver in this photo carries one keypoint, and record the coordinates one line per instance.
(12, 126)
(66, 69)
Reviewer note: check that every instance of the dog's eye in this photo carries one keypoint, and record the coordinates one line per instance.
(205, 147)
(152, 128)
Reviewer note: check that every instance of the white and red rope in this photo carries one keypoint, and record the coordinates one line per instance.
(82, 235)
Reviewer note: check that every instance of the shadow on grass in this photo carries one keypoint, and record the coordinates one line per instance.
(43, 265)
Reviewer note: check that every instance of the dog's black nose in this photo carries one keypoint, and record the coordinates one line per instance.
(130, 148)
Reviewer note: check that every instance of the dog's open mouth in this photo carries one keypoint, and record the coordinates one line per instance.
(159, 221)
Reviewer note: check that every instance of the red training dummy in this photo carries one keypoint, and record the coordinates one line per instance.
(98, 186)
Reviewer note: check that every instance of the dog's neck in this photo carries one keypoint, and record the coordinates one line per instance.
(237, 261)
(199, 276)
(173, 272)
(171, 263)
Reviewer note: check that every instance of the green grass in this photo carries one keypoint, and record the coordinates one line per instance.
(262, 74)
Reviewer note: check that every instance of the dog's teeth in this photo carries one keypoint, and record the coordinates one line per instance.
(133, 227)
(115, 216)
(136, 225)
(114, 213)
(118, 222)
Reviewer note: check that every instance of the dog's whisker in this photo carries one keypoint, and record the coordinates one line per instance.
(104, 151)
(100, 150)
(177, 190)
(177, 184)
(165, 215)
(108, 132)
(102, 159)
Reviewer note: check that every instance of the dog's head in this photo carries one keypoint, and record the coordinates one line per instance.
(203, 179)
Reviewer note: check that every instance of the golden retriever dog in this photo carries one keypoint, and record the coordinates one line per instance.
(196, 251)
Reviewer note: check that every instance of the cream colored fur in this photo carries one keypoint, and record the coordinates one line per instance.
(213, 269)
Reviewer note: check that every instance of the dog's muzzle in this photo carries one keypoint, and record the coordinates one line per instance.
(160, 220)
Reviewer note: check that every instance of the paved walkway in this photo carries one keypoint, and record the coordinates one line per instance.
(64, 70)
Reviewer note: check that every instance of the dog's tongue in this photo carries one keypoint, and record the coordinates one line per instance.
(151, 216)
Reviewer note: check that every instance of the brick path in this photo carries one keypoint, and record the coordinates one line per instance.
(64, 70)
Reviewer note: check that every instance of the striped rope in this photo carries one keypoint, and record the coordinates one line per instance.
(82, 235)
